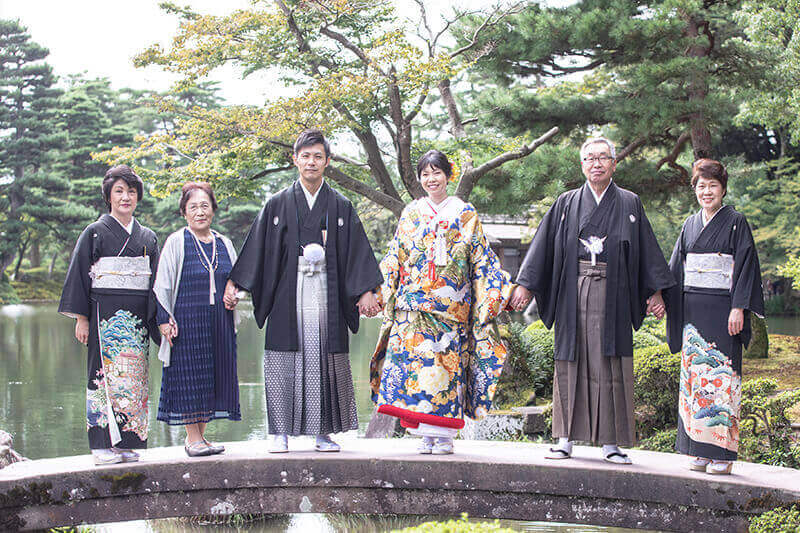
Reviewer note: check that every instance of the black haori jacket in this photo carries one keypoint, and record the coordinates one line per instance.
(267, 268)
(635, 269)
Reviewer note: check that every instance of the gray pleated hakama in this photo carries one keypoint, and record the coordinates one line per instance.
(310, 392)
(593, 395)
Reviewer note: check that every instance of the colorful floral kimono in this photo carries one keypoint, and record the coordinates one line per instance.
(439, 354)
(717, 268)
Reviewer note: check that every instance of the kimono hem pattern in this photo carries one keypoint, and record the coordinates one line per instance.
(439, 353)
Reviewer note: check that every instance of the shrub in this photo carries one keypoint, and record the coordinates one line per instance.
(7, 293)
(529, 366)
(766, 434)
(656, 381)
(779, 520)
(661, 441)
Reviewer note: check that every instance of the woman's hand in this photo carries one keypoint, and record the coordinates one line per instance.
(368, 305)
(521, 298)
(169, 330)
(230, 298)
(655, 305)
(735, 321)
(82, 330)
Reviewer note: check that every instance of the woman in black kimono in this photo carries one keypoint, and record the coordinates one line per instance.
(108, 291)
(708, 320)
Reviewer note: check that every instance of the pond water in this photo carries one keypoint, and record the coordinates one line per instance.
(42, 402)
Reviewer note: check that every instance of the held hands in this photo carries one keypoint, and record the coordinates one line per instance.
(368, 305)
(735, 321)
(169, 330)
(521, 298)
(230, 298)
(655, 305)
(82, 330)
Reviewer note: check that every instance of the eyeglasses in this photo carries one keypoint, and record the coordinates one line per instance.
(603, 159)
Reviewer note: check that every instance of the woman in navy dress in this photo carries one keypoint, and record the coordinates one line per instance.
(199, 381)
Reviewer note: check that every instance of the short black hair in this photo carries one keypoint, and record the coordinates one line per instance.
(126, 174)
(435, 159)
(310, 138)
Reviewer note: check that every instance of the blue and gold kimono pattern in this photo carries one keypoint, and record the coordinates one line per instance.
(439, 354)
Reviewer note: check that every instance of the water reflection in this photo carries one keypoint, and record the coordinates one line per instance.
(321, 523)
(43, 375)
(42, 379)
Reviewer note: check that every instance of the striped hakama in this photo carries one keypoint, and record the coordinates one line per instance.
(310, 392)
(593, 395)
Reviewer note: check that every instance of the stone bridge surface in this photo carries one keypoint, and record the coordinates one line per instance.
(382, 476)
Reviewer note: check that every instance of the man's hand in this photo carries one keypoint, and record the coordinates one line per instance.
(655, 305)
(82, 330)
(521, 298)
(229, 298)
(368, 304)
(735, 321)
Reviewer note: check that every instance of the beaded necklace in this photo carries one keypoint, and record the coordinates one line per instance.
(210, 265)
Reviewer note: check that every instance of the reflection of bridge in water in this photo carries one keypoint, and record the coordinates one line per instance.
(487, 479)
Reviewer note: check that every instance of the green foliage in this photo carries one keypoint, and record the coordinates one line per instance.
(660, 441)
(461, 525)
(362, 71)
(529, 366)
(30, 199)
(780, 520)
(792, 269)
(782, 304)
(759, 343)
(7, 293)
(765, 430)
(656, 374)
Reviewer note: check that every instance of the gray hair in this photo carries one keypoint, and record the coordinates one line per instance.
(597, 140)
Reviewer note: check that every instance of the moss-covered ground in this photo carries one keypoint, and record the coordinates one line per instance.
(783, 365)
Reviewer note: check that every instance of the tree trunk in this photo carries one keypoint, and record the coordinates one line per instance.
(35, 256)
(52, 264)
(698, 88)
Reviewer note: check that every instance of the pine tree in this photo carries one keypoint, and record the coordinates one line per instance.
(29, 198)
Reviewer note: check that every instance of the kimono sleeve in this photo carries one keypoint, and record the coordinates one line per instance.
(490, 284)
(746, 292)
(362, 273)
(390, 269)
(77, 284)
(673, 297)
(538, 270)
(257, 268)
(152, 303)
(654, 274)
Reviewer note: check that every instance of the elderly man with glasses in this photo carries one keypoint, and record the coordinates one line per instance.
(595, 269)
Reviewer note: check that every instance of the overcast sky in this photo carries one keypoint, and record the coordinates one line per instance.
(101, 37)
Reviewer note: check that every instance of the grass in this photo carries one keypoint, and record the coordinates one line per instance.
(783, 365)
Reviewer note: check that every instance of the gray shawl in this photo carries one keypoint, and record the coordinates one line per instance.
(168, 279)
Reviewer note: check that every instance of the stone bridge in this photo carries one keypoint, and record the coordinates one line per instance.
(382, 476)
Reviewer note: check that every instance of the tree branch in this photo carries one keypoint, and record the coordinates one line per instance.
(672, 157)
(632, 147)
(384, 200)
(469, 179)
(268, 171)
(487, 23)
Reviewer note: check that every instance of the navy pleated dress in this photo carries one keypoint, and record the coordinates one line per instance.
(201, 383)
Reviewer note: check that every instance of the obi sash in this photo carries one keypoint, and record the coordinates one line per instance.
(708, 271)
(131, 273)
